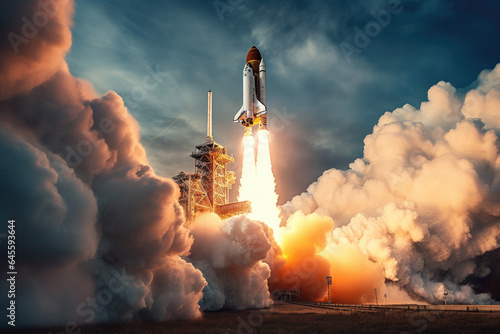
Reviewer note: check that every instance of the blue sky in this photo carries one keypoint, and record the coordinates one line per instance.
(322, 101)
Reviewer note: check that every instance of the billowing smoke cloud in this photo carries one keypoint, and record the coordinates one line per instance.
(99, 235)
(230, 254)
(421, 209)
(38, 37)
(301, 241)
(55, 228)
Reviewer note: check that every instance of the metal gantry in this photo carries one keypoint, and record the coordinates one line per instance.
(208, 188)
(211, 160)
(193, 196)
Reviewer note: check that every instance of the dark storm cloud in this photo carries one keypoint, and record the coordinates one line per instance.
(427, 41)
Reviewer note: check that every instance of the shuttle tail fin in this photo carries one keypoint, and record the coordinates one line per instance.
(261, 108)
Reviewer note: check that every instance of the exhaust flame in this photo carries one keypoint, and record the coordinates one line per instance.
(258, 183)
(265, 207)
(247, 184)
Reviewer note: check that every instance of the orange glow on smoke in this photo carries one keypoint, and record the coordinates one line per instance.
(304, 241)
(354, 276)
(301, 241)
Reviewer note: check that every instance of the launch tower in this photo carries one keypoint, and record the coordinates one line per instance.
(207, 190)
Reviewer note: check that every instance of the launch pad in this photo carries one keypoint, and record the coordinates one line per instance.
(207, 189)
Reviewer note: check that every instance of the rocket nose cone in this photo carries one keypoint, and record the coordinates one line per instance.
(253, 54)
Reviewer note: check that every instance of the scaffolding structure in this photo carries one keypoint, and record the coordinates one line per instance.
(207, 190)
(288, 295)
(193, 197)
(210, 162)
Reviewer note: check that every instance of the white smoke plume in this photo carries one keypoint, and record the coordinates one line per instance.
(423, 203)
(99, 235)
(230, 254)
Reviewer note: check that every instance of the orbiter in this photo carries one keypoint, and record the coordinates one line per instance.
(254, 110)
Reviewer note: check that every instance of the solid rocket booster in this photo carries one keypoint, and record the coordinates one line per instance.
(253, 111)
(262, 95)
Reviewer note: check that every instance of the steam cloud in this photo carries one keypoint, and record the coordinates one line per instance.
(421, 209)
(100, 236)
(230, 254)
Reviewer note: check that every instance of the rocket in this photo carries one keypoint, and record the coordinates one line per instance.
(254, 110)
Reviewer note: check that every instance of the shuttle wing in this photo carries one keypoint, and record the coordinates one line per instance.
(240, 115)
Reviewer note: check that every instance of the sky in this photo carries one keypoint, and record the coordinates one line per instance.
(412, 202)
(333, 68)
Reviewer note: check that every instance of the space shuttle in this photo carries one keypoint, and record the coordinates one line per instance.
(254, 110)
